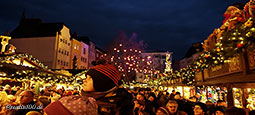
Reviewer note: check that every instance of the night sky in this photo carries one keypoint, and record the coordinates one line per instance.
(168, 25)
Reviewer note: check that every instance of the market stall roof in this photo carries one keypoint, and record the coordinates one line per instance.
(9, 66)
(29, 59)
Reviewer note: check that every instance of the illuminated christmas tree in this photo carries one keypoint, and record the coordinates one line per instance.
(125, 53)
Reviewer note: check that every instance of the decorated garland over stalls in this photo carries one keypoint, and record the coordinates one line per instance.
(18, 56)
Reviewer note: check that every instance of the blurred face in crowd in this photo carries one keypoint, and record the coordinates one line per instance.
(172, 107)
(219, 113)
(193, 99)
(198, 110)
(26, 97)
(88, 84)
(224, 104)
(140, 97)
(151, 98)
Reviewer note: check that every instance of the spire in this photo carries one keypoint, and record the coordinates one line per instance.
(23, 17)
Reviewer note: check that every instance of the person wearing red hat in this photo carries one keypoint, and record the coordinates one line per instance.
(99, 91)
(102, 83)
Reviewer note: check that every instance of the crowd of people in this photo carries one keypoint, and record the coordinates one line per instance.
(102, 94)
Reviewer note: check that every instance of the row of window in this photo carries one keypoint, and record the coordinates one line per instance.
(63, 63)
(83, 59)
(62, 51)
(64, 41)
(83, 67)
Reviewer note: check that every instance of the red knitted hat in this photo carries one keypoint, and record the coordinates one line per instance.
(105, 77)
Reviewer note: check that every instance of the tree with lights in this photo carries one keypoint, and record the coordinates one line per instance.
(125, 53)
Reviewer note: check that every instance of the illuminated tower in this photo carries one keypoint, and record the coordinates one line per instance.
(168, 63)
(4, 42)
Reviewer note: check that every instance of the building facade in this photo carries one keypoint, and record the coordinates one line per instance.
(48, 42)
(84, 55)
(161, 61)
(75, 59)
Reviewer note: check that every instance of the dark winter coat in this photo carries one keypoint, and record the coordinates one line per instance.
(114, 101)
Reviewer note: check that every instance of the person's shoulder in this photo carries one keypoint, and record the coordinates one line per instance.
(182, 113)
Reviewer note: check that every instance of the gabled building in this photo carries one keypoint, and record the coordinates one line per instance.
(48, 42)
(91, 55)
(99, 53)
(193, 53)
(84, 55)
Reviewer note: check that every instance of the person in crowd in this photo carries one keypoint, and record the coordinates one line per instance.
(75, 91)
(140, 97)
(200, 109)
(221, 103)
(180, 101)
(153, 101)
(3, 101)
(68, 92)
(172, 94)
(210, 107)
(34, 113)
(172, 106)
(8, 90)
(100, 94)
(26, 100)
(156, 93)
(45, 100)
(147, 106)
(139, 108)
(219, 110)
(54, 96)
(162, 111)
(163, 99)
(235, 111)
(189, 104)
(45, 92)
(19, 90)
(193, 99)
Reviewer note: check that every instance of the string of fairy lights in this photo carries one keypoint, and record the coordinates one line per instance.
(130, 59)
(19, 56)
(43, 75)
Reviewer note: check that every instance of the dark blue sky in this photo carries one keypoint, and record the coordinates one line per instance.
(171, 25)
